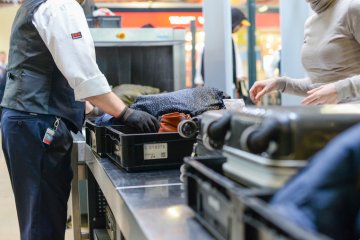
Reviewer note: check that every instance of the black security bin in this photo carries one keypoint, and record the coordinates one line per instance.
(95, 136)
(146, 151)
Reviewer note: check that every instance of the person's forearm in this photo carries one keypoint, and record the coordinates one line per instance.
(295, 86)
(108, 103)
(348, 88)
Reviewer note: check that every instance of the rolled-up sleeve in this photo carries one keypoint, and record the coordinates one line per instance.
(349, 88)
(62, 26)
(295, 86)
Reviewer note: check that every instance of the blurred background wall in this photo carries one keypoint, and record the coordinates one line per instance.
(7, 15)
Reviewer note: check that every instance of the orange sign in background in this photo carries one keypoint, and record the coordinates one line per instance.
(158, 19)
(182, 19)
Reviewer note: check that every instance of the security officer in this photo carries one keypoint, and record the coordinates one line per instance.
(51, 70)
(238, 20)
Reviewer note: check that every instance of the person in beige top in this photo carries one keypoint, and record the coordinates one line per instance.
(330, 56)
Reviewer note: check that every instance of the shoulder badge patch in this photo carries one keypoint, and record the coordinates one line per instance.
(76, 35)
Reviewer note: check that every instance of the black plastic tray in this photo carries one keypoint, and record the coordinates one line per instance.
(230, 211)
(146, 151)
(95, 137)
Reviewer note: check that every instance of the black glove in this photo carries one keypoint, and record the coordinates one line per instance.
(142, 121)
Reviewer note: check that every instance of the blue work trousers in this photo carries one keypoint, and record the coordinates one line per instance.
(40, 174)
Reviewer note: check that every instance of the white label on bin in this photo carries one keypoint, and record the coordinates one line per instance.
(117, 150)
(155, 151)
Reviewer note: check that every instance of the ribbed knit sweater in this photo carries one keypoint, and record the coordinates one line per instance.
(331, 52)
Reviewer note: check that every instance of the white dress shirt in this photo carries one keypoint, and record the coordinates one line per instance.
(63, 28)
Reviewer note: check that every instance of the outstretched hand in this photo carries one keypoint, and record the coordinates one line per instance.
(260, 88)
(325, 94)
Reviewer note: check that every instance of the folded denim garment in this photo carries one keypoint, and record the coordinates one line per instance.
(325, 196)
(106, 120)
(193, 101)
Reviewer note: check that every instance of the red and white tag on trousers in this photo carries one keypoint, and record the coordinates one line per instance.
(49, 136)
(50, 132)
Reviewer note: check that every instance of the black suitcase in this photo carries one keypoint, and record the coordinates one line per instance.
(266, 146)
(294, 133)
(231, 211)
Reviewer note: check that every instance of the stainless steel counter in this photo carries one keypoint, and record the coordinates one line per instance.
(146, 205)
(78, 166)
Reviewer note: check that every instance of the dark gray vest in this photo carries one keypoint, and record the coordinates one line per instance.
(34, 83)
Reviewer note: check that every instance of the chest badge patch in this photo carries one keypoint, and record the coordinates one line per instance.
(76, 35)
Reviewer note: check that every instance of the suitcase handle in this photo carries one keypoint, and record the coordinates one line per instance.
(217, 131)
(256, 139)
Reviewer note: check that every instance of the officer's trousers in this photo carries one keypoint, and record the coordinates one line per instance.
(40, 174)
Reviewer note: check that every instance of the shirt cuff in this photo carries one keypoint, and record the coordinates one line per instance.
(281, 81)
(92, 87)
(343, 89)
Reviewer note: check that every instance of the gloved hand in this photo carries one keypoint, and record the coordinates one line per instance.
(139, 120)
